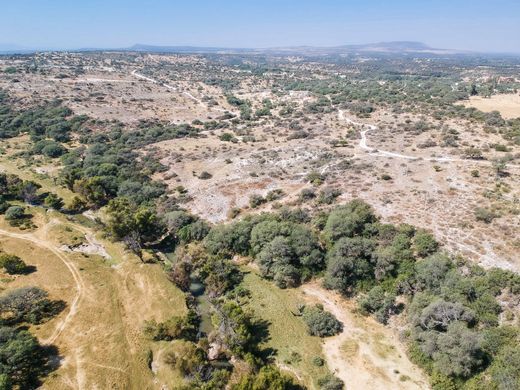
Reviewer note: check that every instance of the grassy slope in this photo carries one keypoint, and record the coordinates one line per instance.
(287, 333)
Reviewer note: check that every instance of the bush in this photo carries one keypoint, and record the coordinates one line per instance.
(12, 264)
(22, 359)
(28, 304)
(14, 212)
(348, 220)
(256, 200)
(53, 201)
(321, 323)
(268, 378)
(379, 302)
(330, 382)
(328, 195)
(307, 194)
(424, 243)
(348, 262)
(205, 175)
(484, 215)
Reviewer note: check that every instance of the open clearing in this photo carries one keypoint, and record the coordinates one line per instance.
(366, 355)
(99, 334)
(508, 105)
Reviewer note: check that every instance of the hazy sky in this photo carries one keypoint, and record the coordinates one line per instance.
(482, 25)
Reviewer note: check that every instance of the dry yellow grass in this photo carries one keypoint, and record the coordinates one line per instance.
(507, 104)
(101, 342)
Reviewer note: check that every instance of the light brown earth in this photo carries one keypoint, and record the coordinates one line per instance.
(507, 104)
(365, 355)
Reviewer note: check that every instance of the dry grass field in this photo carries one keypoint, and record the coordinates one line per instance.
(507, 104)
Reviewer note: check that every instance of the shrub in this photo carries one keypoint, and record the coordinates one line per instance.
(256, 200)
(12, 264)
(307, 194)
(348, 220)
(328, 195)
(28, 304)
(348, 262)
(14, 213)
(484, 215)
(424, 243)
(379, 302)
(205, 175)
(330, 382)
(321, 323)
(53, 201)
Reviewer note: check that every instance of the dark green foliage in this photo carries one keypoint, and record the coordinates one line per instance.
(12, 264)
(424, 243)
(22, 359)
(378, 302)
(173, 328)
(14, 212)
(53, 201)
(321, 323)
(49, 148)
(235, 327)
(268, 378)
(220, 276)
(348, 220)
(348, 262)
(28, 304)
(137, 226)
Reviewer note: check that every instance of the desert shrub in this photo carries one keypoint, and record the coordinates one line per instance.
(484, 215)
(256, 200)
(328, 195)
(307, 194)
(205, 175)
(274, 195)
(315, 178)
(320, 322)
(330, 382)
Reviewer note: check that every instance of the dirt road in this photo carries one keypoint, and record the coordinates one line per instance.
(74, 306)
(366, 355)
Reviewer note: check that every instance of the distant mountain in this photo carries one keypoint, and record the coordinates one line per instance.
(398, 47)
(381, 48)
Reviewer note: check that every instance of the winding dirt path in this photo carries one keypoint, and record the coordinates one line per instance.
(363, 144)
(366, 355)
(172, 88)
(74, 306)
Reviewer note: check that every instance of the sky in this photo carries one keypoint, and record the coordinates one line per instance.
(477, 25)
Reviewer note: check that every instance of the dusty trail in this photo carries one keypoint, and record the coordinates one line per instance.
(363, 144)
(74, 306)
(172, 88)
(365, 355)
